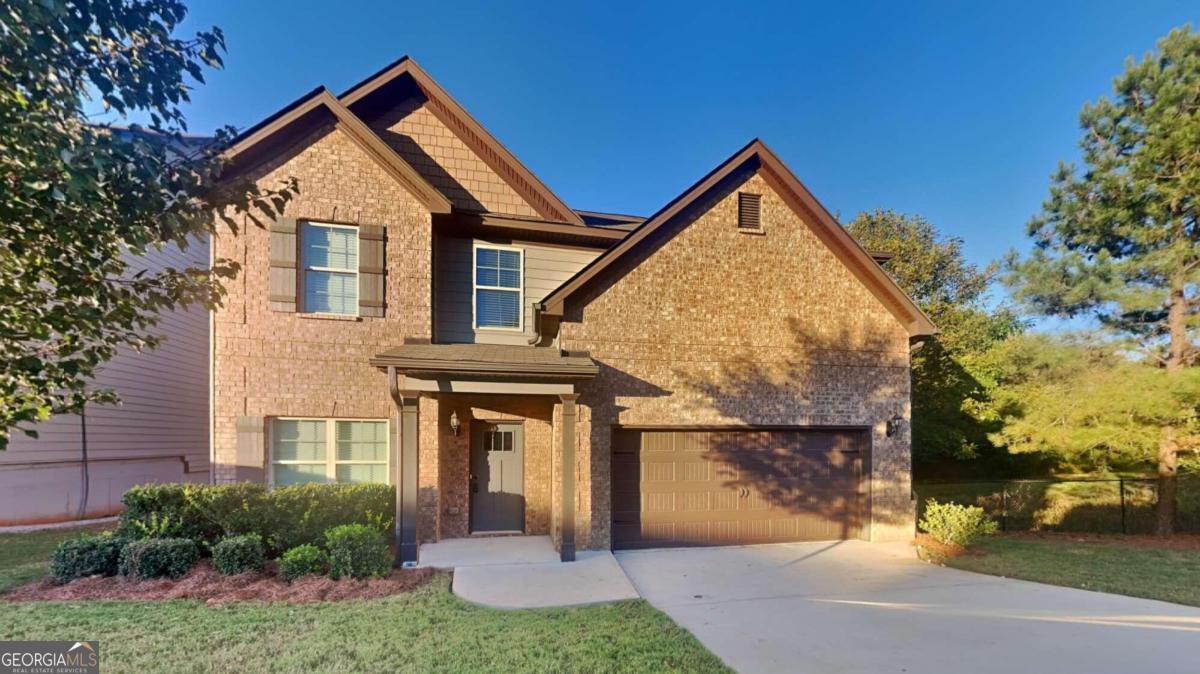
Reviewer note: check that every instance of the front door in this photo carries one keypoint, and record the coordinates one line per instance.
(497, 477)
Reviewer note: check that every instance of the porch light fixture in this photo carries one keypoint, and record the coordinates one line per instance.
(893, 425)
(455, 424)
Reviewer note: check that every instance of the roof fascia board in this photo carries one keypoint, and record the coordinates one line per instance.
(592, 236)
(452, 114)
(366, 139)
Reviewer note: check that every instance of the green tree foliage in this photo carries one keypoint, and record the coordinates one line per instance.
(1087, 403)
(81, 200)
(952, 415)
(1119, 239)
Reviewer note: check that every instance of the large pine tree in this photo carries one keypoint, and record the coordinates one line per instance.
(1119, 238)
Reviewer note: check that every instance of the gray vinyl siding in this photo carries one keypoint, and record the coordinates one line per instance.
(160, 427)
(546, 267)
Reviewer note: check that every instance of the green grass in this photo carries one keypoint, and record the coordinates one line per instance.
(1153, 573)
(428, 630)
(25, 557)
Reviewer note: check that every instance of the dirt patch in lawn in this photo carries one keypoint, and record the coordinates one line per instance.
(1176, 542)
(203, 583)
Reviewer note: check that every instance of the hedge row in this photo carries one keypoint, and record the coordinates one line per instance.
(284, 517)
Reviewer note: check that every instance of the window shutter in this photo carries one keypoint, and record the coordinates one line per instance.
(372, 270)
(283, 265)
(251, 443)
(749, 210)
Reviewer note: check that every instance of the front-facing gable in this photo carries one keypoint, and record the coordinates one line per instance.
(422, 122)
(755, 162)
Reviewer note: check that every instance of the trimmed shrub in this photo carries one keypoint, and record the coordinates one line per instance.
(357, 551)
(239, 554)
(87, 556)
(302, 513)
(158, 557)
(302, 560)
(954, 524)
(200, 512)
(285, 517)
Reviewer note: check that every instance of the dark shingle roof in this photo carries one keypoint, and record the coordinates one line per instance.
(486, 359)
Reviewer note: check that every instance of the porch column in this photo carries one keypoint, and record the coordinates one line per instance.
(404, 472)
(567, 541)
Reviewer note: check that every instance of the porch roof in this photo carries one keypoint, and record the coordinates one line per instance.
(487, 360)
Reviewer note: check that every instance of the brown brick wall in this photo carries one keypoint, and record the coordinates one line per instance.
(723, 327)
(269, 363)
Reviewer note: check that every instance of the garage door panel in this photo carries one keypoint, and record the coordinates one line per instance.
(728, 487)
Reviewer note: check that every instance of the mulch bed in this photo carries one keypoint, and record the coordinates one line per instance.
(932, 550)
(1176, 542)
(203, 583)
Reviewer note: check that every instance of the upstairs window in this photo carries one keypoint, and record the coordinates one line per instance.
(498, 287)
(749, 211)
(330, 259)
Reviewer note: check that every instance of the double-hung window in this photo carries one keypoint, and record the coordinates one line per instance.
(498, 287)
(328, 450)
(330, 259)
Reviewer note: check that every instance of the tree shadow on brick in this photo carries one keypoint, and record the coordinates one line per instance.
(412, 152)
(830, 376)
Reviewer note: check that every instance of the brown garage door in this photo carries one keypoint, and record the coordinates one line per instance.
(697, 487)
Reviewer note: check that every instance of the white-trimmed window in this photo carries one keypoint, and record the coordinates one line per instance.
(329, 450)
(330, 260)
(499, 287)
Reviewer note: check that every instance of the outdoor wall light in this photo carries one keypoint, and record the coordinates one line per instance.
(893, 425)
(454, 422)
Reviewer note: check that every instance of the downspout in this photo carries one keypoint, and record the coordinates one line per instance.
(537, 324)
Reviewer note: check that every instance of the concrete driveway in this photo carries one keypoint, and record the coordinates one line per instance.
(857, 607)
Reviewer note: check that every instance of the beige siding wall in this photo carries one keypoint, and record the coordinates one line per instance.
(721, 327)
(547, 266)
(158, 433)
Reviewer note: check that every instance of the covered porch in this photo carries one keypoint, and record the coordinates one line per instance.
(483, 436)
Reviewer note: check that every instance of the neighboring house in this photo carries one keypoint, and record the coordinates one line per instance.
(158, 433)
(732, 369)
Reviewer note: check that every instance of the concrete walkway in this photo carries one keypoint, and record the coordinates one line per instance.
(525, 572)
(857, 607)
(29, 528)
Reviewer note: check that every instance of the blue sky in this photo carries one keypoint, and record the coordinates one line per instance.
(956, 111)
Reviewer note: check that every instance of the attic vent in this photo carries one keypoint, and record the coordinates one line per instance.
(749, 211)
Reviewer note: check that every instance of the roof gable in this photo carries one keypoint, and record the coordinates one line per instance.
(471, 132)
(757, 157)
(319, 106)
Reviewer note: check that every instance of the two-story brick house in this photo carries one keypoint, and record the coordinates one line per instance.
(733, 368)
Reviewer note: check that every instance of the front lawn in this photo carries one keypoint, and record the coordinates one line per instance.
(1134, 566)
(26, 557)
(427, 630)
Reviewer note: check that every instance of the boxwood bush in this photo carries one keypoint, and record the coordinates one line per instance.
(201, 512)
(954, 524)
(88, 555)
(302, 513)
(158, 557)
(285, 517)
(357, 551)
(302, 560)
(239, 554)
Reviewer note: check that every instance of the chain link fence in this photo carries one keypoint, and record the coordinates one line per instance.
(1108, 505)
